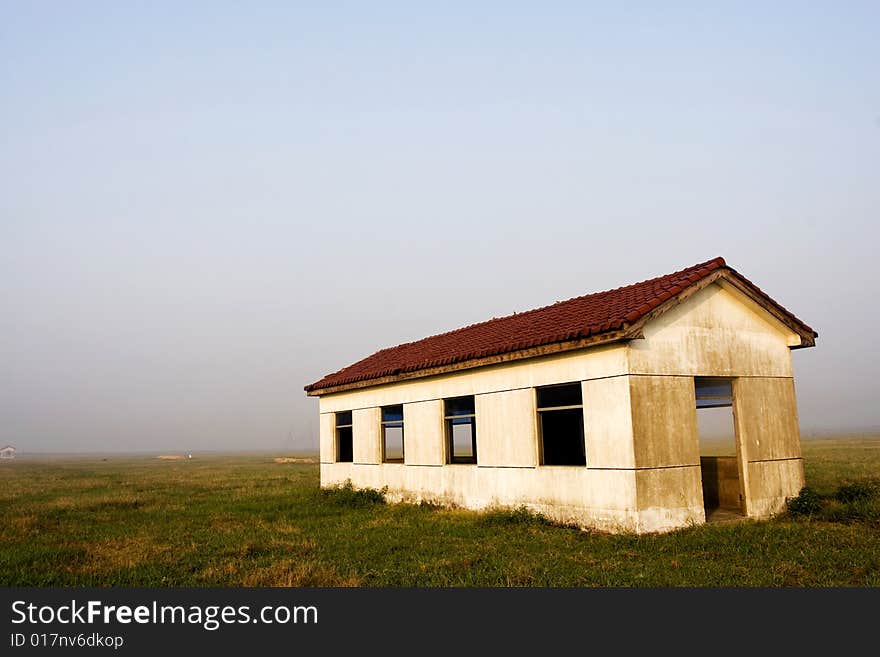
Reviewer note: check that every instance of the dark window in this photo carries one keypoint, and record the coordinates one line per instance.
(461, 430)
(561, 423)
(344, 449)
(712, 392)
(392, 434)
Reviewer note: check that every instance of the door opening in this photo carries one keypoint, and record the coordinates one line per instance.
(719, 457)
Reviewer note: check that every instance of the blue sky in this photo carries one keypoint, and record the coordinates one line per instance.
(206, 206)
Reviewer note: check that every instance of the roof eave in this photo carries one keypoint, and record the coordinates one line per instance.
(626, 332)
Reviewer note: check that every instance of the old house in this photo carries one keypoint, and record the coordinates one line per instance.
(585, 410)
(7, 452)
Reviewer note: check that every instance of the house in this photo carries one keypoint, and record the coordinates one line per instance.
(7, 452)
(585, 410)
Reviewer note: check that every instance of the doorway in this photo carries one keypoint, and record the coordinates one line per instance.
(719, 457)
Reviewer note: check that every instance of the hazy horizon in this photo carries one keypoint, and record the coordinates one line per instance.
(206, 207)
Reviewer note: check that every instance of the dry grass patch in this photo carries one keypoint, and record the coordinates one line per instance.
(118, 553)
(288, 572)
(20, 524)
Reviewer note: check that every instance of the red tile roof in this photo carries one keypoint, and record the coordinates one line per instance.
(581, 317)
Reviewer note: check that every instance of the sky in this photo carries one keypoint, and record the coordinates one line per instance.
(206, 206)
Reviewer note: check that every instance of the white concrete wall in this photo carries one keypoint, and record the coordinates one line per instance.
(366, 436)
(608, 428)
(603, 499)
(423, 440)
(506, 429)
(715, 332)
(327, 428)
(667, 452)
(765, 414)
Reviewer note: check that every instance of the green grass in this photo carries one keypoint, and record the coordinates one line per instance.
(248, 521)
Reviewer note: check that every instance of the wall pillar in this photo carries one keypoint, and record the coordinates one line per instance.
(765, 415)
(327, 437)
(423, 439)
(666, 452)
(366, 436)
(506, 429)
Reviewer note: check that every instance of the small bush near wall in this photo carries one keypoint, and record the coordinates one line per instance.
(852, 502)
(807, 503)
(856, 492)
(521, 515)
(346, 495)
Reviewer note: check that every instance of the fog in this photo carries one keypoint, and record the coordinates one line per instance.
(205, 209)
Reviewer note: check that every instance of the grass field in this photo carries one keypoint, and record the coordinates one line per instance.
(249, 521)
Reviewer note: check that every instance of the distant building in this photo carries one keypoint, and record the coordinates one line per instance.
(7, 452)
(585, 410)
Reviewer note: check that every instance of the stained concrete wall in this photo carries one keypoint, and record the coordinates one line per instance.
(603, 499)
(664, 421)
(668, 498)
(423, 433)
(608, 427)
(716, 332)
(327, 429)
(506, 429)
(643, 467)
(765, 413)
(667, 452)
(366, 437)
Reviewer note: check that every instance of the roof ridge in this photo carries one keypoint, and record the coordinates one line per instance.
(718, 262)
(576, 318)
